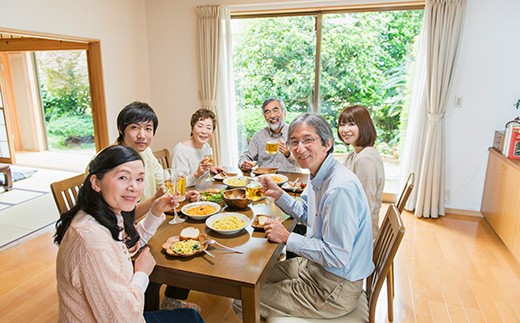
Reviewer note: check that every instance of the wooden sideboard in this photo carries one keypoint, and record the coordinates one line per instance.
(501, 199)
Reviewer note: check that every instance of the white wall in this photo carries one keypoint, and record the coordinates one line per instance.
(487, 77)
(119, 24)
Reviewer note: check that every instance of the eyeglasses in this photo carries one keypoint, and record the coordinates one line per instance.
(293, 143)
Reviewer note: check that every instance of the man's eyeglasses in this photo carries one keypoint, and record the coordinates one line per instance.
(293, 143)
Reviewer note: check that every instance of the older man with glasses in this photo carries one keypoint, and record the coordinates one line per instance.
(276, 133)
(335, 255)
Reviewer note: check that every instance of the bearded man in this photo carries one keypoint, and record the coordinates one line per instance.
(276, 131)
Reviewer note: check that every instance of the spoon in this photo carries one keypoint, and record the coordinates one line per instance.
(211, 242)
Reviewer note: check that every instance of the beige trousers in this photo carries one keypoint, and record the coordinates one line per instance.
(298, 287)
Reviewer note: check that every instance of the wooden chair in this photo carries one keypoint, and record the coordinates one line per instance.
(65, 192)
(385, 248)
(405, 194)
(164, 158)
(401, 202)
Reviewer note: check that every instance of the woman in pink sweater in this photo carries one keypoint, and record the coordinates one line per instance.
(97, 237)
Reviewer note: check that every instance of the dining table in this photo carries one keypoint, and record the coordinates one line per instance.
(228, 274)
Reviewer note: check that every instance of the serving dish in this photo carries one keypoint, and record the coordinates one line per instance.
(200, 210)
(213, 222)
(265, 170)
(256, 225)
(171, 241)
(220, 176)
(235, 181)
(278, 178)
(289, 186)
(236, 198)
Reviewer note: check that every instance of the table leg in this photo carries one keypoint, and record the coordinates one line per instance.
(251, 304)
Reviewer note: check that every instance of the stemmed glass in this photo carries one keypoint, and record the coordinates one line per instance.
(170, 184)
(207, 151)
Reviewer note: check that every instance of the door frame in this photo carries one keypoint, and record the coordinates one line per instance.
(25, 41)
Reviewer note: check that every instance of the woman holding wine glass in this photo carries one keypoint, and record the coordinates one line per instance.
(195, 156)
(95, 276)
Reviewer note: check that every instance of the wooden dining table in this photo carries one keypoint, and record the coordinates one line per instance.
(228, 274)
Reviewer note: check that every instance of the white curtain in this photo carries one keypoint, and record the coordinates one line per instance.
(209, 46)
(226, 107)
(424, 151)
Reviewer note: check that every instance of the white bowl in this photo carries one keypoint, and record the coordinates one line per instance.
(186, 207)
(280, 179)
(211, 220)
(233, 182)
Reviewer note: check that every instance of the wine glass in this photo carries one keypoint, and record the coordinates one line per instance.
(170, 184)
(207, 151)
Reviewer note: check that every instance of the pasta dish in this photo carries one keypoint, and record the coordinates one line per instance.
(201, 210)
(231, 222)
(186, 246)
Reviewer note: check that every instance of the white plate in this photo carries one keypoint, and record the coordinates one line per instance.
(211, 220)
(186, 207)
(221, 177)
(236, 181)
(278, 178)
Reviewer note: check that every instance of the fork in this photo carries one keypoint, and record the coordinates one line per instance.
(211, 241)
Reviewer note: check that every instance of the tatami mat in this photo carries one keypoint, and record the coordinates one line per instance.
(29, 207)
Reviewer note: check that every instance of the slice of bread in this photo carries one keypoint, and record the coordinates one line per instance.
(261, 219)
(189, 233)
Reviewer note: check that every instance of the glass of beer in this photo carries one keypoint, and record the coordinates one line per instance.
(271, 146)
(181, 184)
(169, 181)
(171, 186)
(254, 190)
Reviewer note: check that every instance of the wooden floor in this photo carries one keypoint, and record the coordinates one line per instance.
(452, 269)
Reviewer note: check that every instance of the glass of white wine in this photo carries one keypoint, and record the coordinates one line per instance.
(171, 186)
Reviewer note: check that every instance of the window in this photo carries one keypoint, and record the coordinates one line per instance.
(322, 62)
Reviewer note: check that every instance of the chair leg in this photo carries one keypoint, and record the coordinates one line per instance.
(390, 293)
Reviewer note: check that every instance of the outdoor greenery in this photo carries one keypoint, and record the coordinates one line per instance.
(64, 86)
(365, 59)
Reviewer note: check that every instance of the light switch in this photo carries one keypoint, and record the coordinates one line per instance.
(458, 101)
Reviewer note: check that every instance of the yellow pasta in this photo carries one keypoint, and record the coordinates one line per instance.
(201, 210)
(231, 222)
(186, 246)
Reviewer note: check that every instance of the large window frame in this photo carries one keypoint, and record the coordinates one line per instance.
(319, 12)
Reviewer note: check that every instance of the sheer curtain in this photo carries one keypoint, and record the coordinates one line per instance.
(226, 108)
(209, 46)
(424, 151)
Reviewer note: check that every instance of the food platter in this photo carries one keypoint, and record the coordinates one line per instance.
(236, 181)
(255, 224)
(289, 186)
(200, 210)
(265, 170)
(278, 178)
(196, 246)
(220, 176)
(216, 222)
(212, 195)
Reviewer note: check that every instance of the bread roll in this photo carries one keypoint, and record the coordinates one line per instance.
(262, 219)
(189, 233)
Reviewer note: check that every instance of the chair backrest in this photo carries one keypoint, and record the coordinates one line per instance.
(405, 194)
(65, 192)
(164, 158)
(385, 247)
